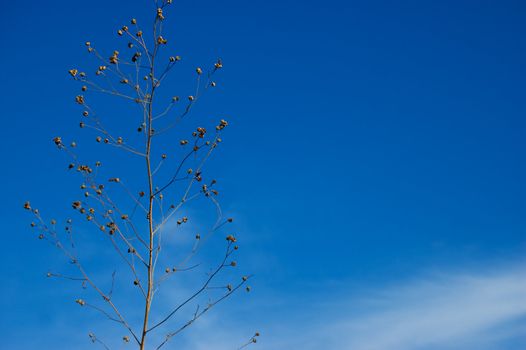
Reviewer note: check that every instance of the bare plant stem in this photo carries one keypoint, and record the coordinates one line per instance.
(151, 196)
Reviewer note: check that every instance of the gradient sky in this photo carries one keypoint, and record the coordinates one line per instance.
(374, 164)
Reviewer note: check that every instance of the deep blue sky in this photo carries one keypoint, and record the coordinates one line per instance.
(370, 142)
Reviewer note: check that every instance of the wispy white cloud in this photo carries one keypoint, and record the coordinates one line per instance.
(447, 311)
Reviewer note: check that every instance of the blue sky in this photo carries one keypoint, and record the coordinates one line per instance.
(374, 162)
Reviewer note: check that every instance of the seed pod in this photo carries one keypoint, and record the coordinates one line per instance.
(218, 64)
(160, 14)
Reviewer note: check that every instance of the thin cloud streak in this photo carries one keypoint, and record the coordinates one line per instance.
(449, 311)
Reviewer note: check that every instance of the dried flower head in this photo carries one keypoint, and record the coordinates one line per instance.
(136, 56)
(160, 14)
(218, 64)
(114, 58)
(57, 140)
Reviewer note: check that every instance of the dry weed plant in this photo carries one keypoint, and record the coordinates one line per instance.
(155, 207)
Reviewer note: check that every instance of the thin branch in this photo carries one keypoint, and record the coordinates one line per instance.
(198, 292)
